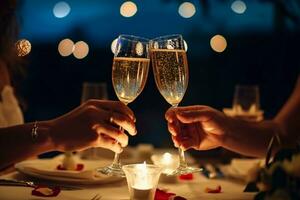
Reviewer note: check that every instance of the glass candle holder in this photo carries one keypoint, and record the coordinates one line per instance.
(168, 162)
(142, 180)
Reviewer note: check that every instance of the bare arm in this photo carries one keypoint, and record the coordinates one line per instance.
(89, 125)
(208, 128)
(289, 116)
(17, 144)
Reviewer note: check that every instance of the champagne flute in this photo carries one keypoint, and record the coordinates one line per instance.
(93, 90)
(170, 68)
(129, 74)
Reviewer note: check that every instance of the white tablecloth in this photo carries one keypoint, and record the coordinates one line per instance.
(193, 190)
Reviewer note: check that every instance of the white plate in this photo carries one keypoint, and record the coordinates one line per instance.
(46, 169)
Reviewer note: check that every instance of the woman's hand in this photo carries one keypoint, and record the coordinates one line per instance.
(198, 127)
(94, 124)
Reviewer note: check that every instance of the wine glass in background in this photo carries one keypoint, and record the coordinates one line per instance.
(129, 74)
(246, 103)
(170, 68)
(93, 90)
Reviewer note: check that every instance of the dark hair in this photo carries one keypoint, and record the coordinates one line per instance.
(8, 36)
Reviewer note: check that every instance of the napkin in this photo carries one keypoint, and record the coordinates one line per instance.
(48, 167)
(239, 168)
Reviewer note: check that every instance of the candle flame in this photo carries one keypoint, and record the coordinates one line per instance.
(167, 158)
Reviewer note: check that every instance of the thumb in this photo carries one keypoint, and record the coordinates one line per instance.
(189, 117)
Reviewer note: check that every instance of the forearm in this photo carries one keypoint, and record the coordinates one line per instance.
(17, 143)
(250, 138)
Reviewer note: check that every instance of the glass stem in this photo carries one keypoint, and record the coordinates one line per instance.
(182, 162)
(116, 161)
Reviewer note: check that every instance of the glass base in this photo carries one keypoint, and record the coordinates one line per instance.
(185, 170)
(112, 170)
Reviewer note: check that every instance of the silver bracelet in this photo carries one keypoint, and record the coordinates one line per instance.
(34, 131)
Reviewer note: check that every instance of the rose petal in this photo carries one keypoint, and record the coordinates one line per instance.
(186, 177)
(218, 189)
(162, 195)
(79, 167)
(44, 191)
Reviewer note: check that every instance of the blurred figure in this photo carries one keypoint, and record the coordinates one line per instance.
(93, 124)
(202, 128)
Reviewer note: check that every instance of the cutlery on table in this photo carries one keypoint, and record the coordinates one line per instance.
(12, 182)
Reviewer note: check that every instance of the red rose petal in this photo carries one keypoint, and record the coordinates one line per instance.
(163, 195)
(186, 177)
(37, 191)
(79, 167)
(218, 189)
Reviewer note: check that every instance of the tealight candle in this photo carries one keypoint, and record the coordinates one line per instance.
(169, 163)
(142, 180)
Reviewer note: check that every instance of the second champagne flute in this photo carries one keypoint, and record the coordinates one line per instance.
(129, 74)
(171, 75)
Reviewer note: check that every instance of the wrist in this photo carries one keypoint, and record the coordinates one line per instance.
(43, 136)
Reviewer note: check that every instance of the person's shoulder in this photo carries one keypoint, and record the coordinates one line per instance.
(4, 75)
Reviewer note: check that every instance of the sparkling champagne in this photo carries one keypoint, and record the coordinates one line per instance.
(171, 74)
(129, 76)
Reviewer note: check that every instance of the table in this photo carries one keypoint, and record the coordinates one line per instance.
(192, 189)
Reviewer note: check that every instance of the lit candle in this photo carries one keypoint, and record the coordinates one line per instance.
(142, 180)
(169, 163)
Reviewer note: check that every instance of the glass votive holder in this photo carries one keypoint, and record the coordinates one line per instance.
(169, 163)
(142, 180)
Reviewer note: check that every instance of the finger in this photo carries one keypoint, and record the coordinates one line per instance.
(176, 144)
(115, 106)
(109, 143)
(207, 144)
(112, 132)
(170, 115)
(124, 122)
(173, 129)
(194, 116)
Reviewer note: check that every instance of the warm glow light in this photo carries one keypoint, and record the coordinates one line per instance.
(66, 47)
(187, 10)
(81, 50)
(218, 43)
(185, 46)
(167, 158)
(142, 180)
(23, 47)
(238, 6)
(128, 9)
(61, 9)
(113, 45)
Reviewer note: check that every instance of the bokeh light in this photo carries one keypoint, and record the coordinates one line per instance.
(81, 50)
(113, 45)
(128, 9)
(23, 47)
(66, 47)
(185, 45)
(186, 10)
(238, 6)
(218, 43)
(61, 9)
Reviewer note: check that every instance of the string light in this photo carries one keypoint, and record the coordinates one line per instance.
(218, 43)
(128, 9)
(187, 10)
(23, 47)
(238, 7)
(61, 9)
(81, 50)
(66, 47)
